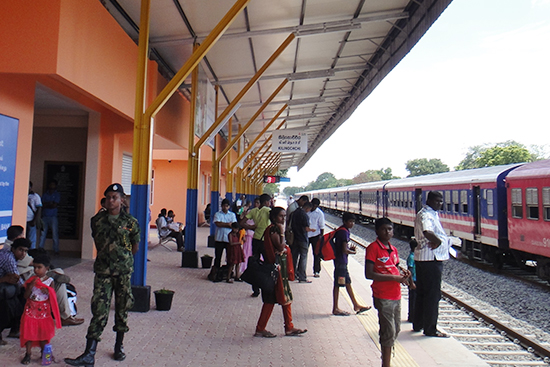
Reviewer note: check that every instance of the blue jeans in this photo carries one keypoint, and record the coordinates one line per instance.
(50, 222)
(31, 234)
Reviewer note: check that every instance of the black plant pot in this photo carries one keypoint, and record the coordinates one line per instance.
(163, 300)
(206, 262)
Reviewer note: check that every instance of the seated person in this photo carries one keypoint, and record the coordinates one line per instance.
(207, 213)
(11, 296)
(165, 231)
(172, 224)
(26, 270)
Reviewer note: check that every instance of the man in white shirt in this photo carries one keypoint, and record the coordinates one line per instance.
(432, 250)
(33, 206)
(222, 220)
(316, 222)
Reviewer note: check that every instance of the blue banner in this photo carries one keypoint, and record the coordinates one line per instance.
(8, 153)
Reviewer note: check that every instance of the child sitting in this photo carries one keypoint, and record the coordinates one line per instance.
(37, 324)
(381, 265)
(235, 254)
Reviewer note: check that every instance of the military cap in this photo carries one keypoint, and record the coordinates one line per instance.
(116, 187)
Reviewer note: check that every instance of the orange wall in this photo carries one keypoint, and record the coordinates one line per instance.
(29, 38)
(170, 188)
(172, 121)
(96, 54)
(17, 100)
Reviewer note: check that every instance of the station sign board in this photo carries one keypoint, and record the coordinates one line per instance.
(289, 141)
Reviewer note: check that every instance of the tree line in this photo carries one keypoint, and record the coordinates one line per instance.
(478, 156)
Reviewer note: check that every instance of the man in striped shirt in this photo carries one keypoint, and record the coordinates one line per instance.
(432, 250)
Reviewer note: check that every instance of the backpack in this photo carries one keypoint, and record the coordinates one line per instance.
(324, 248)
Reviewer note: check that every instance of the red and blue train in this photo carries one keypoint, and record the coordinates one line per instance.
(500, 213)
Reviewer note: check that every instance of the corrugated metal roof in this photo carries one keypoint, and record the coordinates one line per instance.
(342, 51)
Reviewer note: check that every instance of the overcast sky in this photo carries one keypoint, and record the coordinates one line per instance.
(481, 74)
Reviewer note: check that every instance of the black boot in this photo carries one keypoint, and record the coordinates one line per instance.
(119, 348)
(87, 358)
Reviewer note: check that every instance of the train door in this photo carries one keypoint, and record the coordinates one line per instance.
(477, 210)
(347, 201)
(418, 199)
(360, 201)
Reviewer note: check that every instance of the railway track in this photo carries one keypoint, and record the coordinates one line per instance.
(493, 341)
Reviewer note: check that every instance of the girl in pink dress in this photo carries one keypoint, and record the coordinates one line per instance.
(37, 323)
(247, 246)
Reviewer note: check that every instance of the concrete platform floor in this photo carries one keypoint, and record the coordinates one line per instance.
(212, 324)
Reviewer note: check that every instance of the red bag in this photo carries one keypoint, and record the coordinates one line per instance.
(324, 247)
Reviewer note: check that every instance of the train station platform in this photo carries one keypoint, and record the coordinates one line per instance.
(212, 324)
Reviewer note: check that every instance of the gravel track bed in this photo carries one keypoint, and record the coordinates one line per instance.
(524, 307)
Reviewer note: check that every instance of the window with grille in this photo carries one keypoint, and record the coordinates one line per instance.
(532, 203)
(546, 203)
(517, 204)
(448, 202)
(455, 201)
(464, 201)
(490, 203)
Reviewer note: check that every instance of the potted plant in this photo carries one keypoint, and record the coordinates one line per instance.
(206, 261)
(163, 299)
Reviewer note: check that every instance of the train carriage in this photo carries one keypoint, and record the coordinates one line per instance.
(529, 214)
(474, 205)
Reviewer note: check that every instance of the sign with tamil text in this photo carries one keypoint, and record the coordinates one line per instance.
(289, 141)
(9, 128)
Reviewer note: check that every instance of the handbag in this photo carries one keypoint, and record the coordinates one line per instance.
(261, 274)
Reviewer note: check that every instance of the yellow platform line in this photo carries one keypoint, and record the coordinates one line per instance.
(369, 320)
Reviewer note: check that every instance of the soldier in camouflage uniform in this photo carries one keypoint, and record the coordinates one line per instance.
(116, 237)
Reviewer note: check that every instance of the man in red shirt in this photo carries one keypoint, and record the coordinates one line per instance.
(381, 265)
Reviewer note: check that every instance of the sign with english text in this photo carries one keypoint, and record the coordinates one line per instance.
(9, 128)
(289, 141)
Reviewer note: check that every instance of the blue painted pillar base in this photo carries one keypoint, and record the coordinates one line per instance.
(229, 196)
(189, 258)
(214, 203)
(139, 208)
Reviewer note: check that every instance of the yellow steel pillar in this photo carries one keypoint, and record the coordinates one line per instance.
(142, 152)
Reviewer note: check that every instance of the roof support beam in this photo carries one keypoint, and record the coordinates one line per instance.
(307, 29)
(216, 126)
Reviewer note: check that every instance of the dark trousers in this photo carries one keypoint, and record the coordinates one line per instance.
(299, 256)
(11, 306)
(412, 301)
(257, 251)
(218, 252)
(316, 259)
(179, 238)
(428, 294)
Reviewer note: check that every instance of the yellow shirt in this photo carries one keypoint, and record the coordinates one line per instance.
(260, 216)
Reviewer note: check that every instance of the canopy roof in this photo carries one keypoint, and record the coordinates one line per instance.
(342, 50)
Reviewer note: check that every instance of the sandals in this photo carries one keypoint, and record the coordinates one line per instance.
(295, 332)
(26, 359)
(341, 313)
(438, 334)
(362, 309)
(265, 334)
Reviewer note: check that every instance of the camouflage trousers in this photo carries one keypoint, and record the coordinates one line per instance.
(104, 285)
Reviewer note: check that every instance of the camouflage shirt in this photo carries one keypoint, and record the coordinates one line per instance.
(113, 241)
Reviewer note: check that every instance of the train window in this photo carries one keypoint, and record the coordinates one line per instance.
(455, 200)
(490, 203)
(546, 202)
(410, 199)
(517, 207)
(464, 201)
(532, 202)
